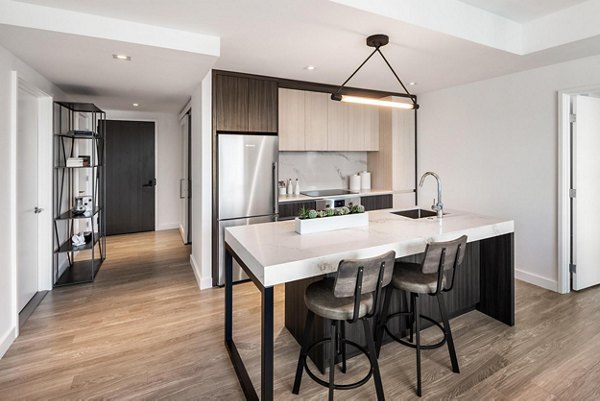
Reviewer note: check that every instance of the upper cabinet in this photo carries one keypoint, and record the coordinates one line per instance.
(245, 105)
(311, 121)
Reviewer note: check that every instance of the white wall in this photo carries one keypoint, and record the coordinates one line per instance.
(494, 144)
(169, 151)
(201, 256)
(8, 64)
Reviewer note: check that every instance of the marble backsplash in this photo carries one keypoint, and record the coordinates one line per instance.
(321, 170)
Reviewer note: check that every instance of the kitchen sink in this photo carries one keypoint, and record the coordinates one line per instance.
(416, 213)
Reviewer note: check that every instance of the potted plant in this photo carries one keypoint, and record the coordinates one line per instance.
(313, 221)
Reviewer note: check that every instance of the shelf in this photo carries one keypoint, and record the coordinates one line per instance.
(74, 134)
(82, 271)
(94, 166)
(85, 107)
(71, 216)
(67, 246)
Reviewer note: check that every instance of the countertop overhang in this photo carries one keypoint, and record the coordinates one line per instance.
(276, 254)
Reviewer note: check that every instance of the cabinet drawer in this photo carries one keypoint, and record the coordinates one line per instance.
(290, 210)
(377, 202)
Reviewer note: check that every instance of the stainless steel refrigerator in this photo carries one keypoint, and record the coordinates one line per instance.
(247, 181)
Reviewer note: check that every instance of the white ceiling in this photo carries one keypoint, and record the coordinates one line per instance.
(523, 10)
(269, 37)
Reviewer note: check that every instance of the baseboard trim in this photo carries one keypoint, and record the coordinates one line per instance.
(7, 341)
(203, 282)
(534, 279)
(170, 226)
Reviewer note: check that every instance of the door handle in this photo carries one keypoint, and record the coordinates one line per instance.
(181, 188)
(275, 188)
(151, 183)
(37, 210)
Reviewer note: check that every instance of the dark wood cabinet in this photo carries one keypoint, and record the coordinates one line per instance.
(245, 105)
(377, 202)
(262, 106)
(289, 210)
(231, 103)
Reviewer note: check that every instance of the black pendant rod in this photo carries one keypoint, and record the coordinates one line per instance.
(355, 71)
(396, 75)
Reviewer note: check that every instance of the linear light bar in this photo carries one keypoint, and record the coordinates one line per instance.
(377, 102)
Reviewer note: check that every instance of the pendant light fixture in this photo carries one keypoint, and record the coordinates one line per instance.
(376, 41)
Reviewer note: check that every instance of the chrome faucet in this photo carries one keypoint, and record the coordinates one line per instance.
(436, 206)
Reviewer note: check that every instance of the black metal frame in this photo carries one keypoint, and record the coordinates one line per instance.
(414, 317)
(63, 185)
(338, 343)
(376, 41)
(266, 364)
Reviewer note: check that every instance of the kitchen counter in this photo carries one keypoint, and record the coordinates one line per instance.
(304, 198)
(276, 254)
(273, 253)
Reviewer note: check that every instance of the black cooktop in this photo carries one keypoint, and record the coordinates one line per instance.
(328, 192)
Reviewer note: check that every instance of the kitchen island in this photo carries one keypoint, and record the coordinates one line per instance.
(273, 253)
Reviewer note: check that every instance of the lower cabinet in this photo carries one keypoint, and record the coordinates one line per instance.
(377, 202)
(290, 210)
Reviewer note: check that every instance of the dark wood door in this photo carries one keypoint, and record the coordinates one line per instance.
(130, 176)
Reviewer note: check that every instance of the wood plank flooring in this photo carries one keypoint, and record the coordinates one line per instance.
(143, 330)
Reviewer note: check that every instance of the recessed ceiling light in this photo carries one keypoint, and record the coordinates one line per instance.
(412, 83)
(123, 57)
(310, 67)
(136, 104)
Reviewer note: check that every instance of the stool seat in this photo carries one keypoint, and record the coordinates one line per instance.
(409, 277)
(319, 299)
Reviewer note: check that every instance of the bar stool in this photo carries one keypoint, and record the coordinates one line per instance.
(353, 295)
(434, 276)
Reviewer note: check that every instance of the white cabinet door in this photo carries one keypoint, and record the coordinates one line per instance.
(27, 197)
(291, 120)
(338, 137)
(586, 176)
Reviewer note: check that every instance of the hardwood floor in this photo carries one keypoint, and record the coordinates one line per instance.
(144, 331)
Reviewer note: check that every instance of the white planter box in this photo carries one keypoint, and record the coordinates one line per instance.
(308, 226)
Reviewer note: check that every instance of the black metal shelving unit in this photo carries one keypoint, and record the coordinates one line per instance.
(77, 132)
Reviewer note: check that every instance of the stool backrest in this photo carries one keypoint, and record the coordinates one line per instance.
(347, 274)
(441, 257)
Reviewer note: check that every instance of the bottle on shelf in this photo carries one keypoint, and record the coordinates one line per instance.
(297, 187)
(290, 187)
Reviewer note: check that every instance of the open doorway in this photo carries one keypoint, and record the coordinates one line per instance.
(130, 176)
(185, 183)
(579, 174)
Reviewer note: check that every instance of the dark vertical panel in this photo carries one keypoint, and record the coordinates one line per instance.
(498, 278)
(262, 106)
(377, 202)
(130, 169)
(231, 103)
(290, 210)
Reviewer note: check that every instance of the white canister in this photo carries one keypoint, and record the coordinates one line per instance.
(365, 180)
(354, 182)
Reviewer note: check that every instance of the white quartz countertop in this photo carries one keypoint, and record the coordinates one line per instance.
(276, 254)
(304, 198)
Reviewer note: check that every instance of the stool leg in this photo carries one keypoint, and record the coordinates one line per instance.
(412, 317)
(380, 324)
(310, 316)
(343, 344)
(333, 335)
(373, 358)
(417, 318)
(448, 333)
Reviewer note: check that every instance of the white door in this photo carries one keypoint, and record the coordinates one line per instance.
(586, 181)
(27, 197)
(184, 182)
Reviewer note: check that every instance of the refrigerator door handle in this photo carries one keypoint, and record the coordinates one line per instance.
(275, 189)
(181, 188)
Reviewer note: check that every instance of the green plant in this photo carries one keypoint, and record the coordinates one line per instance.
(312, 214)
(330, 212)
(303, 213)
